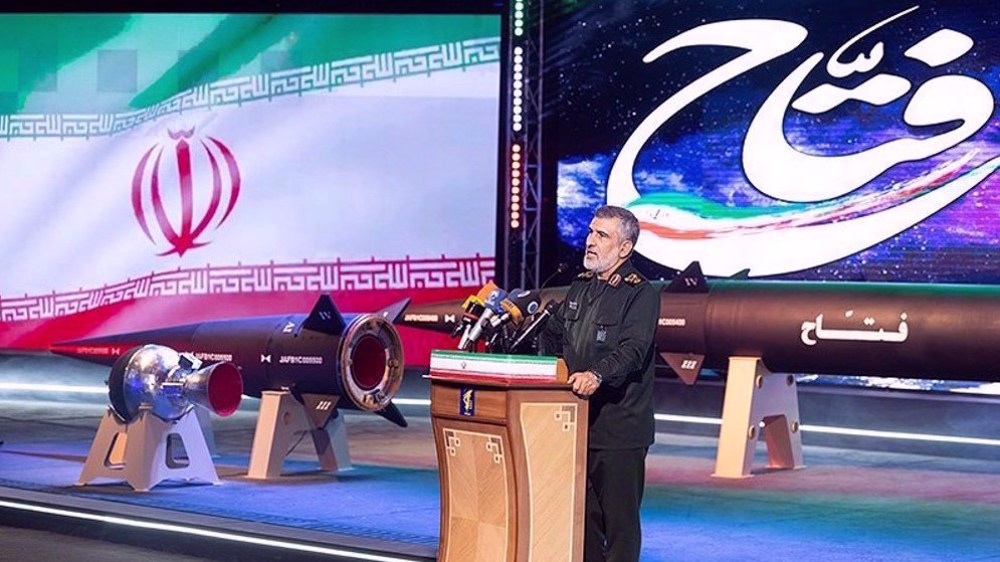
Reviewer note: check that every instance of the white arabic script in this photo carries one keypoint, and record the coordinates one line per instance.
(776, 168)
(881, 335)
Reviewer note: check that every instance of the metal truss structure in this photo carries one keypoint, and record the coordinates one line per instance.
(522, 151)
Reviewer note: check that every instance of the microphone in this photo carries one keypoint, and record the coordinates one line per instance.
(561, 268)
(518, 305)
(491, 308)
(474, 307)
(536, 323)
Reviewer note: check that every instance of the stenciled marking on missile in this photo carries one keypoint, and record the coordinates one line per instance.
(289, 328)
(265, 358)
(300, 360)
(422, 318)
(868, 335)
(828, 216)
(450, 319)
(672, 322)
(211, 356)
(97, 350)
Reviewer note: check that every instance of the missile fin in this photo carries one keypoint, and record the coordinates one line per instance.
(686, 365)
(741, 274)
(394, 312)
(325, 317)
(320, 407)
(392, 413)
(691, 280)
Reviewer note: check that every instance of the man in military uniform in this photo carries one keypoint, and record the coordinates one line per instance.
(604, 330)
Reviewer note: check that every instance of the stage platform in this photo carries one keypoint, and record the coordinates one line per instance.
(845, 505)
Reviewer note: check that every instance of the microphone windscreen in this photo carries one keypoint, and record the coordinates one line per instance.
(520, 304)
(494, 299)
(485, 292)
(527, 301)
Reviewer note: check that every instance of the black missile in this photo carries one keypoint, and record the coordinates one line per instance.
(902, 330)
(355, 359)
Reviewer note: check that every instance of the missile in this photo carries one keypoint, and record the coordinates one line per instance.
(904, 330)
(354, 361)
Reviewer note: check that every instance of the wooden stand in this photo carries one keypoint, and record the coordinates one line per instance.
(282, 419)
(512, 459)
(145, 451)
(758, 400)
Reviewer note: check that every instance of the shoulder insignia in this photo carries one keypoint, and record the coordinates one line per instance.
(585, 275)
(615, 280)
(633, 279)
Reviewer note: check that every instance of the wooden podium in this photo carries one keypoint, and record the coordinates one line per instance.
(511, 442)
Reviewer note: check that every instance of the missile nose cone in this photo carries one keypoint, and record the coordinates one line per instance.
(92, 351)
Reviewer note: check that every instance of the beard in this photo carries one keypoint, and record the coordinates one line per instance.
(597, 263)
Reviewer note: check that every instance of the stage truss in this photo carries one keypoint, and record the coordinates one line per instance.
(521, 183)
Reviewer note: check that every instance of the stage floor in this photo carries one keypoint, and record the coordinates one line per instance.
(845, 505)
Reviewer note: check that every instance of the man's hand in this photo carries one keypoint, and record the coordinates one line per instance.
(584, 383)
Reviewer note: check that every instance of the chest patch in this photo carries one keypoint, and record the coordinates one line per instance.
(602, 334)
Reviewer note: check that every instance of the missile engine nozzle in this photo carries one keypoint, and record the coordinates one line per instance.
(371, 356)
(171, 383)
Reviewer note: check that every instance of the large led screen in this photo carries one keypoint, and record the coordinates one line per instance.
(811, 140)
(797, 139)
(161, 169)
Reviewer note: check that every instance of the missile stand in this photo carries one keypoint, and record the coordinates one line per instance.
(146, 451)
(757, 401)
(282, 418)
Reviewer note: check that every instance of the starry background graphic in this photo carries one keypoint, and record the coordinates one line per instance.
(601, 90)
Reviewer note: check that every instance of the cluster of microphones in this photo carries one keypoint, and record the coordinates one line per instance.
(504, 322)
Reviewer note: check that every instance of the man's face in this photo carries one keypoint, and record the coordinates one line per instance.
(605, 248)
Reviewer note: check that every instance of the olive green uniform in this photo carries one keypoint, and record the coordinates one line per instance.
(607, 327)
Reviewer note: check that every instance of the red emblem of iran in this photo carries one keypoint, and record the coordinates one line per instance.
(184, 188)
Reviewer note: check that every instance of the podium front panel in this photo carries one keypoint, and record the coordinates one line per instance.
(477, 492)
(552, 447)
(511, 440)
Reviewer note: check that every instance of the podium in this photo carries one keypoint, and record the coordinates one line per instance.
(511, 442)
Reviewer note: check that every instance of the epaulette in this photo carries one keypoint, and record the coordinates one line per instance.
(585, 275)
(633, 278)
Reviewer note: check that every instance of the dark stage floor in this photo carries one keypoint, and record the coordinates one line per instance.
(846, 505)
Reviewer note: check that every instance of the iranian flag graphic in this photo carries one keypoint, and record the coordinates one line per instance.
(165, 169)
